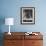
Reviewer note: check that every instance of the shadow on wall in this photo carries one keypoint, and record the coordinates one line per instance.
(2, 21)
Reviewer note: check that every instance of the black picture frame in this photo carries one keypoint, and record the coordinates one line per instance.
(27, 15)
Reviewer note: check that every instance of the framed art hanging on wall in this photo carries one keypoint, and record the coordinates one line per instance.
(27, 15)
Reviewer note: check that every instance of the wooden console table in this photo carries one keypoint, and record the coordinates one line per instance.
(20, 39)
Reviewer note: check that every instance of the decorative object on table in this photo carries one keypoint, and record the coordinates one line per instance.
(9, 21)
(30, 33)
(27, 15)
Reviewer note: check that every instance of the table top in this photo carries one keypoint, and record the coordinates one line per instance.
(22, 35)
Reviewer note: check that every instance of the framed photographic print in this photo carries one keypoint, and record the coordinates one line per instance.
(27, 15)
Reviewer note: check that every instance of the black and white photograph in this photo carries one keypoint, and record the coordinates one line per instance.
(27, 15)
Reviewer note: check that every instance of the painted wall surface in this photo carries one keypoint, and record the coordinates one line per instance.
(11, 8)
